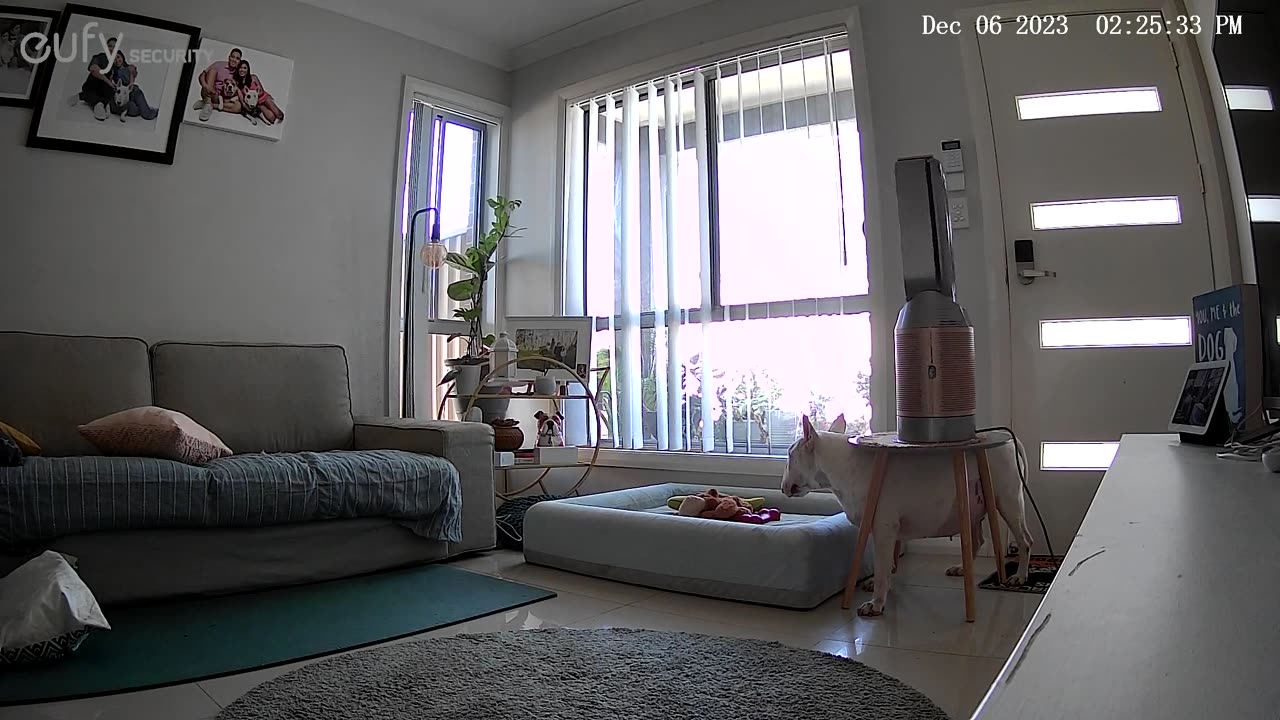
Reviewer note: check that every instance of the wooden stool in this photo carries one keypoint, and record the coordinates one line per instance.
(887, 444)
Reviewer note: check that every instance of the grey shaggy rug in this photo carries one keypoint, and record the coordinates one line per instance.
(584, 675)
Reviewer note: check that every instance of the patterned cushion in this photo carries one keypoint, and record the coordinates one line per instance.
(155, 432)
(26, 444)
(10, 453)
(47, 651)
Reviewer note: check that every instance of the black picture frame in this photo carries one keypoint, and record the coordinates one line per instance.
(52, 17)
(165, 157)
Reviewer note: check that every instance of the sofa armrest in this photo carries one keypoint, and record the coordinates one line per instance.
(468, 446)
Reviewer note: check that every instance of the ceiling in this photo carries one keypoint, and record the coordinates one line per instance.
(507, 34)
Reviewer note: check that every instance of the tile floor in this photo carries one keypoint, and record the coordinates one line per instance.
(922, 640)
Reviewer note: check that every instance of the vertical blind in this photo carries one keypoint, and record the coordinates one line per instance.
(713, 229)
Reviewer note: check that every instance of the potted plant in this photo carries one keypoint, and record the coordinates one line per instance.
(475, 264)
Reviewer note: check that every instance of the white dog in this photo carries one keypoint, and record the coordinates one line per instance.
(122, 100)
(250, 107)
(917, 499)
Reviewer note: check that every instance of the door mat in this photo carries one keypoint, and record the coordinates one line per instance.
(1040, 574)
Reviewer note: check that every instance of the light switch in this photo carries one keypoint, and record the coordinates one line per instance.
(959, 213)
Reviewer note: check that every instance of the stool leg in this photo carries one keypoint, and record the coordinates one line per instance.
(864, 526)
(966, 535)
(993, 517)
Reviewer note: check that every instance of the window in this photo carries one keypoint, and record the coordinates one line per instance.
(1115, 332)
(1106, 213)
(447, 165)
(1264, 209)
(1077, 455)
(1089, 102)
(1242, 97)
(714, 231)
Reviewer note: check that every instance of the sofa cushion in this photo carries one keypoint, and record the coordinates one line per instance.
(259, 398)
(52, 384)
(155, 432)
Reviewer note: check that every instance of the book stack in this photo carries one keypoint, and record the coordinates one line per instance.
(547, 456)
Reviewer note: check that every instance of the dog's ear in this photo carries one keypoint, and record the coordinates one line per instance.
(839, 425)
(808, 428)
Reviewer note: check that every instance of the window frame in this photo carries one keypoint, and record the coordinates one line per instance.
(879, 300)
(400, 317)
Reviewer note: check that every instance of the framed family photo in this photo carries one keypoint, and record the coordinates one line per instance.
(566, 339)
(18, 72)
(115, 85)
(239, 89)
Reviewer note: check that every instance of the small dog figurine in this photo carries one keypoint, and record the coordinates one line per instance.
(917, 500)
(550, 429)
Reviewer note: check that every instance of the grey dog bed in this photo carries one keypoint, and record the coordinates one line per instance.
(632, 536)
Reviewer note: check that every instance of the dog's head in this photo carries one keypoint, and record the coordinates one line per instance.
(251, 98)
(122, 94)
(803, 474)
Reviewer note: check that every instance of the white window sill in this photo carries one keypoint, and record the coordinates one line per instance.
(692, 462)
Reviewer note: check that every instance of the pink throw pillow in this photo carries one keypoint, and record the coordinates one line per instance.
(154, 432)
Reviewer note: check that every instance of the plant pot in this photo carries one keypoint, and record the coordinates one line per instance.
(493, 408)
(468, 381)
(507, 438)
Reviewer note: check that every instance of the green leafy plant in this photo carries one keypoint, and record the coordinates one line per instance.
(476, 262)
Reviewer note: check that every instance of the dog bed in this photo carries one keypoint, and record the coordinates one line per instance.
(632, 536)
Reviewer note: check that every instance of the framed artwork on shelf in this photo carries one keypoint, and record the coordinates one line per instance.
(565, 339)
(20, 58)
(120, 94)
(238, 89)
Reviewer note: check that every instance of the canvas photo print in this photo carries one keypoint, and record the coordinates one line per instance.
(533, 344)
(19, 69)
(240, 89)
(115, 85)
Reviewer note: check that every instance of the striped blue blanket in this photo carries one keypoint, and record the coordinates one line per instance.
(46, 498)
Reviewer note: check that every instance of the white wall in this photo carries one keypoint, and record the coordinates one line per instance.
(918, 99)
(241, 239)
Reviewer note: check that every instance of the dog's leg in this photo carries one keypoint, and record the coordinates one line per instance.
(1007, 485)
(870, 583)
(958, 570)
(886, 536)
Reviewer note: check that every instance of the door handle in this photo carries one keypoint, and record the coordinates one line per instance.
(1033, 274)
(1024, 256)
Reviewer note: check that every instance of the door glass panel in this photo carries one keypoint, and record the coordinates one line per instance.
(1077, 455)
(1106, 213)
(1089, 102)
(1264, 209)
(1115, 332)
(1241, 97)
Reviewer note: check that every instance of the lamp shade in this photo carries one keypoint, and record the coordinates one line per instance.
(432, 254)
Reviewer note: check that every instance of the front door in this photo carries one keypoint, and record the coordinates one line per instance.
(1100, 183)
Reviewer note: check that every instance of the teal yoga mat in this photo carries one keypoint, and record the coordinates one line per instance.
(179, 642)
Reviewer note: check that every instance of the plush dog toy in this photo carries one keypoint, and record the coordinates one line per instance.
(711, 504)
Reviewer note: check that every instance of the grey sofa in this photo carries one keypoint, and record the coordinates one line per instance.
(257, 398)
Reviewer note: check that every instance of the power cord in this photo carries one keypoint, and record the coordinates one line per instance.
(1022, 476)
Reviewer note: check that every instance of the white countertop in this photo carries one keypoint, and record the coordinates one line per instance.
(1168, 604)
